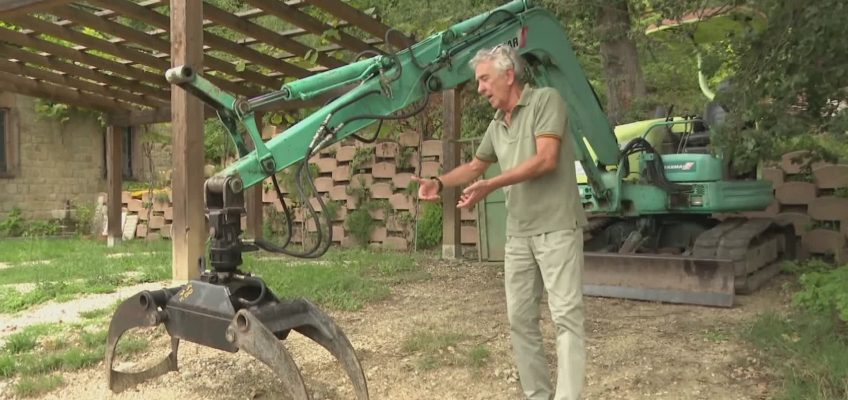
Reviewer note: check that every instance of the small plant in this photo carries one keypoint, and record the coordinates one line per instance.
(478, 355)
(404, 160)
(83, 218)
(13, 225)
(430, 226)
(361, 157)
(361, 225)
(37, 385)
(42, 229)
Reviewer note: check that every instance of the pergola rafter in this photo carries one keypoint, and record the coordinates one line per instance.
(52, 49)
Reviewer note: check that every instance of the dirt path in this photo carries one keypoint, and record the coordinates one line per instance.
(637, 350)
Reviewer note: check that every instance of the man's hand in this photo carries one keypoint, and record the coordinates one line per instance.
(474, 193)
(428, 189)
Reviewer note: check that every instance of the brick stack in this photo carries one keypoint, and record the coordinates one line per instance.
(153, 213)
(814, 198)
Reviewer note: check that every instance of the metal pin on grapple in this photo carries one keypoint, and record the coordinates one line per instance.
(229, 310)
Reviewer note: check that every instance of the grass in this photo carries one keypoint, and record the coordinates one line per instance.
(437, 349)
(809, 351)
(341, 279)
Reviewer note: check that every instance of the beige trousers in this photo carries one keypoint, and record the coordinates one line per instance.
(554, 261)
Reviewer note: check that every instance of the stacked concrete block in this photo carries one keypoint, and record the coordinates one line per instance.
(813, 197)
(153, 211)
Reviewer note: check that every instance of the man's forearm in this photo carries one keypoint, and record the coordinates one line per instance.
(463, 174)
(531, 168)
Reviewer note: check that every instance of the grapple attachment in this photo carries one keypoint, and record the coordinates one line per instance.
(230, 310)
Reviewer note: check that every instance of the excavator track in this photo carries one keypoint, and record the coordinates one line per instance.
(736, 256)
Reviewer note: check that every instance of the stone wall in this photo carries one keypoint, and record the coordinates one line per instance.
(345, 171)
(58, 163)
(814, 198)
(61, 163)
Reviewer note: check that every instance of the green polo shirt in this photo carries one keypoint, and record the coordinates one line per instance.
(549, 202)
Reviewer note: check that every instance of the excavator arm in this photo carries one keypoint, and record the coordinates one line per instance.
(395, 83)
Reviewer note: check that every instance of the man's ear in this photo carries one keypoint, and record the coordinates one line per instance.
(510, 76)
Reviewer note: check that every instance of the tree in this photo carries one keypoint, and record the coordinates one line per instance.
(622, 70)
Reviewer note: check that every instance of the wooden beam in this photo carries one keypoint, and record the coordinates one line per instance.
(114, 179)
(305, 21)
(154, 43)
(57, 50)
(189, 226)
(117, 82)
(154, 18)
(29, 87)
(154, 116)
(268, 36)
(10, 8)
(451, 222)
(23, 71)
(253, 198)
(363, 21)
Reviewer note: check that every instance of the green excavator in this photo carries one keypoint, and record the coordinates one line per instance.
(654, 236)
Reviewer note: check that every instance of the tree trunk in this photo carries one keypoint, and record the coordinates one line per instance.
(622, 72)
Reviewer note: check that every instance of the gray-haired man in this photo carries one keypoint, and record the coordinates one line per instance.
(544, 248)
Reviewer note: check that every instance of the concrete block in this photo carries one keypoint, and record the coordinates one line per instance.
(831, 176)
(829, 208)
(466, 214)
(345, 153)
(431, 148)
(166, 231)
(359, 181)
(338, 193)
(793, 162)
(153, 236)
(394, 224)
(134, 205)
(323, 184)
(378, 213)
(143, 215)
(269, 195)
(169, 214)
(341, 173)
(126, 197)
(341, 214)
(468, 234)
(429, 169)
(824, 241)
(796, 193)
(800, 221)
(385, 169)
(395, 243)
(386, 150)
(381, 190)
(156, 222)
(401, 180)
(409, 139)
(401, 201)
(141, 230)
(379, 234)
(773, 175)
(349, 242)
(326, 165)
(338, 233)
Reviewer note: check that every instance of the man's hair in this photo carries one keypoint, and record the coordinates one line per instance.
(503, 57)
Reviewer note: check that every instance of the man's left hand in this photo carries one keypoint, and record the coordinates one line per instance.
(474, 193)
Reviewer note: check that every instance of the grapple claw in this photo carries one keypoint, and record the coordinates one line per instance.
(250, 335)
(141, 310)
(304, 317)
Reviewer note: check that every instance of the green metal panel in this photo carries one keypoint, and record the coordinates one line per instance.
(692, 167)
(491, 212)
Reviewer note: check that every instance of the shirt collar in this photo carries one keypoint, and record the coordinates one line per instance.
(522, 101)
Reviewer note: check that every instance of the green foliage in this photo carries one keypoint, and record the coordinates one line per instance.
(808, 351)
(38, 385)
(361, 157)
(430, 226)
(83, 218)
(360, 224)
(13, 225)
(790, 79)
(823, 291)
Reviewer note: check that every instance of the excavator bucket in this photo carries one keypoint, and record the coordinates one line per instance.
(672, 279)
(215, 315)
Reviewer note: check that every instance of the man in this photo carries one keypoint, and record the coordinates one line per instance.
(544, 248)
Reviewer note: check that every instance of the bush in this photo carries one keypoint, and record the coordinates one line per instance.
(13, 224)
(361, 225)
(430, 226)
(824, 291)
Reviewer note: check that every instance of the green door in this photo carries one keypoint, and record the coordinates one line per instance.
(492, 216)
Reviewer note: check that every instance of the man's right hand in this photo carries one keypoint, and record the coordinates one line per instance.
(428, 189)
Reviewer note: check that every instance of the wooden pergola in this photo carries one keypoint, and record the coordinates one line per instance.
(111, 56)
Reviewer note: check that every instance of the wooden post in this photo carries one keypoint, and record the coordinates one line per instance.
(253, 197)
(114, 179)
(189, 226)
(451, 222)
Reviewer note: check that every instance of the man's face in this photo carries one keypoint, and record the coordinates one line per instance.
(493, 84)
